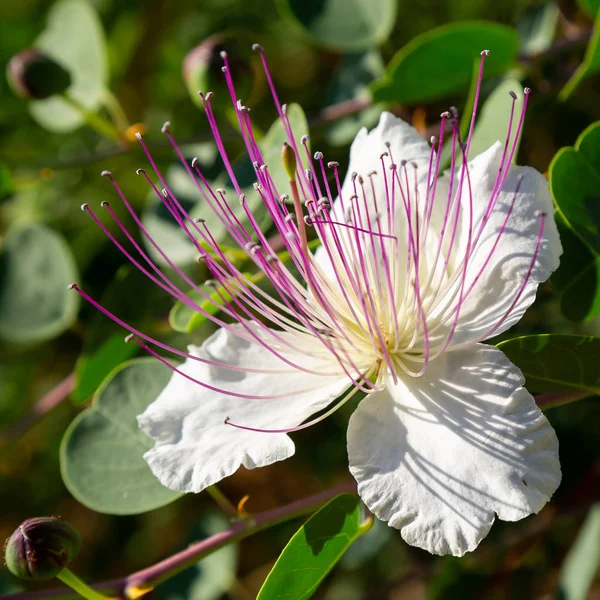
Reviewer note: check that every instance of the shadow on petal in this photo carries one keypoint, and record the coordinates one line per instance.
(438, 456)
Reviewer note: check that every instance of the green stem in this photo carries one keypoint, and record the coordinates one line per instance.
(93, 120)
(219, 497)
(587, 66)
(116, 111)
(83, 589)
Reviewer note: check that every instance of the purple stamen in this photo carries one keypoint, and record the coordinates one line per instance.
(389, 300)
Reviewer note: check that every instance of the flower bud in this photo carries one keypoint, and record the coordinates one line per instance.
(288, 158)
(202, 68)
(41, 548)
(35, 76)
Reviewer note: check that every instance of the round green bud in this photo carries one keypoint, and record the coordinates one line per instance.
(288, 158)
(35, 76)
(202, 67)
(41, 548)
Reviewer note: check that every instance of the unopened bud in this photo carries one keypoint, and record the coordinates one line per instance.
(41, 548)
(288, 158)
(35, 76)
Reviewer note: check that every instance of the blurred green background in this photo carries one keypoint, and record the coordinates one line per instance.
(323, 54)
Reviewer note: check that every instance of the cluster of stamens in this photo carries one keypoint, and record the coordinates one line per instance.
(383, 294)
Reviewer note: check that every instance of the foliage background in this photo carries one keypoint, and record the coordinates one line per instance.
(45, 176)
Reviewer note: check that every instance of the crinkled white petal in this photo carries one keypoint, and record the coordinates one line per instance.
(437, 456)
(194, 448)
(502, 277)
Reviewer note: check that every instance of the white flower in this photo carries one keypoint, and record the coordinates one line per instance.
(412, 273)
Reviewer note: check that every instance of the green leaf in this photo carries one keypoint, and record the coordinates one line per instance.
(351, 82)
(577, 279)
(367, 546)
(556, 362)
(272, 143)
(75, 39)
(440, 62)
(36, 266)
(589, 66)
(7, 185)
(314, 550)
(270, 148)
(537, 27)
(582, 561)
(211, 577)
(101, 454)
(93, 366)
(173, 240)
(186, 319)
(574, 176)
(165, 230)
(150, 301)
(589, 6)
(9, 584)
(492, 123)
(342, 25)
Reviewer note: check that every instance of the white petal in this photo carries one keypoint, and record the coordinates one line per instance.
(405, 144)
(195, 448)
(504, 274)
(437, 456)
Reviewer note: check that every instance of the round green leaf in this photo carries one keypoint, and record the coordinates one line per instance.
(556, 362)
(342, 24)
(574, 176)
(36, 266)
(102, 451)
(577, 279)
(75, 39)
(94, 365)
(440, 62)
(314, 550)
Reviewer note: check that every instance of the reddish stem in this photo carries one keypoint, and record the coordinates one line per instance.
(44, 405)
(167, 568)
